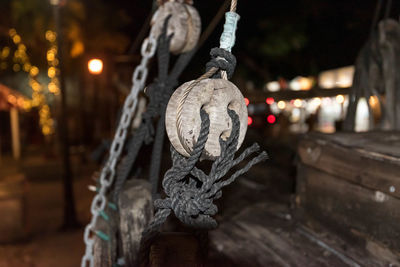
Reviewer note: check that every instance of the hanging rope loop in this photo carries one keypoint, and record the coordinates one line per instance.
(223, 60)
(190, 192)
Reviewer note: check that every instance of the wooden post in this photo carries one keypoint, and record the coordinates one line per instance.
(16, 143)
(135, 209)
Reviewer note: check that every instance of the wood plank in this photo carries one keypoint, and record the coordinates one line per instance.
(265, 235)
(350, 209)
(382, 143)
(352, 165)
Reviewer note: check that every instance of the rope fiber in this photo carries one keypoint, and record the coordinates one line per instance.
(189, 191)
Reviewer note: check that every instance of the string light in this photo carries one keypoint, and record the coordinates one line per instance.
(21, 62)
(52, 61)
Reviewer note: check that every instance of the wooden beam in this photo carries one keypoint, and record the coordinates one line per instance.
(16, 143)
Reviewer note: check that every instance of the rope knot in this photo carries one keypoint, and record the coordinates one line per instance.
(223, 60)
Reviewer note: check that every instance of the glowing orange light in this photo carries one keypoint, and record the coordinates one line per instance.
(247, 101)
(95, 66)
(270, 100)
(12, 99)
(249, 120)
(271, 119)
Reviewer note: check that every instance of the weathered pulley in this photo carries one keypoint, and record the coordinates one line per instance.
(215, 96)
(184, 23)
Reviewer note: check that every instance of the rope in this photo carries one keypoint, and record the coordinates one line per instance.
(222, 60)
(233, 5)
(189, 191)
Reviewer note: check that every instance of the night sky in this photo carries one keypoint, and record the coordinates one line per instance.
(275, 38)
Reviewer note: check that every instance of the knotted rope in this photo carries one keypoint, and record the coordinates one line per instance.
(190, 192)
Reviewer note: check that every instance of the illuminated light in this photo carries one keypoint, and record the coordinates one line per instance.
(51, 36)
(16, 39)
(34, 71)
(26, 67)
(295, 84)
(50, 56)
(16, 67)
(5, 52)
(51, 72)
(95, 66)
(295, 116)
(247, 101)
(35, 101)
(46, 130)
(77, 49)
(373, 101)
(298, 103)
(35, 86)
(273, 86)
(12, 99)
(362, 116)
(271, 119)
(281, 104)
(27, 105)
(305, 83)
(17, 54)
(53, 88)
(22, 47)
(344, 77)
(249, 120)
(317, 101)
(270, 100)
(301, 83)
(12, 32)
(20, 102)
(340, 99)
(327, 79)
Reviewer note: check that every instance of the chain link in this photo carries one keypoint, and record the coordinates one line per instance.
(108, 172)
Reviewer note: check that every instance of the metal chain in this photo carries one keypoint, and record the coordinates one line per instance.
(108, 172)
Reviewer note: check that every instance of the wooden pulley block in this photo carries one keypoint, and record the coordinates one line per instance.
(184, 23)
(215, 96)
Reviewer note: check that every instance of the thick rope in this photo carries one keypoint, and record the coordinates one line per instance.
(190, 192)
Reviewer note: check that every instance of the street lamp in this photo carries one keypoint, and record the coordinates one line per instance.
(95, 66)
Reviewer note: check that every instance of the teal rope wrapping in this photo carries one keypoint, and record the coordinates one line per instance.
(102, 235)
(228, 37)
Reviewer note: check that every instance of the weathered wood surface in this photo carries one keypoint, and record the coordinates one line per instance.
(176, 250)
(265, 234)
(105, 254)
(371, 217)
(371, 160)
(136, 211)
(183, 122)
(351, 183)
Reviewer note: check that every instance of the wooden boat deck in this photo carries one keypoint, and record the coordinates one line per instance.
(257, 230)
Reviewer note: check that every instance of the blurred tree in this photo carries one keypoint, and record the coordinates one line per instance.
(89, 26)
